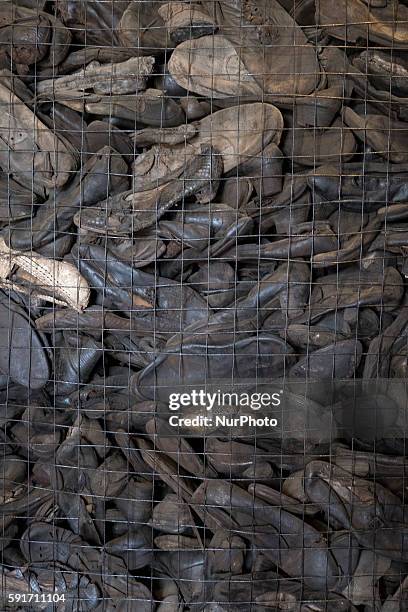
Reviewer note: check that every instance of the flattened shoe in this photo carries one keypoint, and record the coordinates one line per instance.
(386, 137)
(237, 133)
(75, 360)
(210, 66)
(125, 77)
(358, 187)
(29, 150)
(382, 80)
(184, 362)
(353, 288)
(353, 20)
(270, 50)
(104, 173)
(338, 360)
(185, 21)
(23, 355)
(93, 22)
(102, 55)
(32, 36)
(314, 147)
(141, 27)
(149, 108)
(387, 71)
(16, 202)
(131, 212)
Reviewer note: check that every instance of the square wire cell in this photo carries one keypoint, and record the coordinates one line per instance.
(203, 306)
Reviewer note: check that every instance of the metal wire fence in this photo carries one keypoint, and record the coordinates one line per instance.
(203, 307)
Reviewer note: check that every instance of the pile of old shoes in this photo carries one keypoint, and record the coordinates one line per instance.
(203, 195)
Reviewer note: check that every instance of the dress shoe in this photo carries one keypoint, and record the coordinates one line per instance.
(315, 147)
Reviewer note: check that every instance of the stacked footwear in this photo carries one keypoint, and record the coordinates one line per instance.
(209, 197)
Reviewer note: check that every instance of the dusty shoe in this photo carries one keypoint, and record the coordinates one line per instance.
(186, 21)
(165, 82)
(195, 108)
(36, 157)
(184, 361)
(103, 55)
(352, 288)
(386, 71)
(371, 186)
(338, 360)
(263, 170)
(32, 36)
(26, 33)
(121, 78)
(210, 66)
(93, 22)
(126, 214)
(23, 357)
(149, 108)
(75, 359)
(314, 147)
(382, 80)
(353, 20)
(238, 134)
(142, 28)
(165, 136)
(386, 137)
(104, 173)
(101, 134)
(140, 251)
(16, 202)
(55, 281)
(270, 49)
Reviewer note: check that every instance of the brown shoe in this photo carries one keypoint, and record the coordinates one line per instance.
(31, 36)
(185, 21)
(238, 134)
(386, 137)
(386, 70)
(315, 147)
(141, 28)
(94, 22)
(210, 66)
(353, 20)
(122, 78)
(36, 157)
(270, 45)
(150, 107)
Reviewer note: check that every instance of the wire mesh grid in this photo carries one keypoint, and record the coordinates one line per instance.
(203, 315)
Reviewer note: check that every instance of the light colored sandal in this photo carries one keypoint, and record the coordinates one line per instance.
(55, 281)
